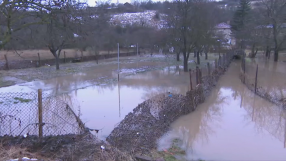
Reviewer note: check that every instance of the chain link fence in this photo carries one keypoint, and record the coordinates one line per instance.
(29, 114)
(151, 119)
(253, 76)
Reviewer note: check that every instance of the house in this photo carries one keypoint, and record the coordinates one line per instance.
(224, 30)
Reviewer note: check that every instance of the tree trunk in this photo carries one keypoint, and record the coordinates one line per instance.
(178, 56)
(252, 51)
(195, 53)
(185, 62)
(267, 51)
(57, 63)
(276, 51)
(198, 57)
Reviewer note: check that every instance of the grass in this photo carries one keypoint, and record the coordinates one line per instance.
(46, 54)
(22, 100)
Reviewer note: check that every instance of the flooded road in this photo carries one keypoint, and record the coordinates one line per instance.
(232, 124)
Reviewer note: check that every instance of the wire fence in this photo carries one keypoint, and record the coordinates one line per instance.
(151, 119)
(256, 78)
(26, 114)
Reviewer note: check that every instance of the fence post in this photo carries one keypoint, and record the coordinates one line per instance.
(224, 59)
(256, 78)
(201, 76)
(64, 56)
(209, 69)
(7, 63)
(197, 75)
(244, 69)
(40, 110)
(39, 59)
(219, 60)
(191, 85)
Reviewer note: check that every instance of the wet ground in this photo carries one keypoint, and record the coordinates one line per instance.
(232, 124)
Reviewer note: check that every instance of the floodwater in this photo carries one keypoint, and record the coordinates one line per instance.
(103, 107)
(271, 75)
(232, 124)
(100, 100)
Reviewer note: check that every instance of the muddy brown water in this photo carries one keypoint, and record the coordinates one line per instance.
(100, 100)
(271, 75)
(232, 124)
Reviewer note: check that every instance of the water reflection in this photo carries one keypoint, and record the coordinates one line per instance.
(104, 106)
(233, 124)
(269, 69)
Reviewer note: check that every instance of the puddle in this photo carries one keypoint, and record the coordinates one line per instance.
(232, 124)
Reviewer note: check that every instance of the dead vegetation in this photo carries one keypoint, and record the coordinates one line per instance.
(13, 152)
(60, 148)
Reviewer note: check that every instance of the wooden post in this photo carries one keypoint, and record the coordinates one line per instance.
(224, 59)
(209, 69)
(7, 63)
(256, 78)
(40, 110)
(39, 59)
(244, 65)
(201, 76)
(244, 70)
(197, 75)
(191, 85)
(64, 56)
(219, 60)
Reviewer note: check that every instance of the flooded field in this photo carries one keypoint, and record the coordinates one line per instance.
(271, 75)
(232, 124)
(103, 107)
(97, 97)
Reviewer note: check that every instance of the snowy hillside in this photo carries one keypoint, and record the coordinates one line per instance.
(146, 18)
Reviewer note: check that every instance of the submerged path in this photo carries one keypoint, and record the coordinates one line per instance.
(232, 124)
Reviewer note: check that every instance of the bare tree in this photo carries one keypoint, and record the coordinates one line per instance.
(274, 12)
(62, 26)
(191, 25)
(14, 14)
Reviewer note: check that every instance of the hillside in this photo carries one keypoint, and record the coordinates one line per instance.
(147, 18)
